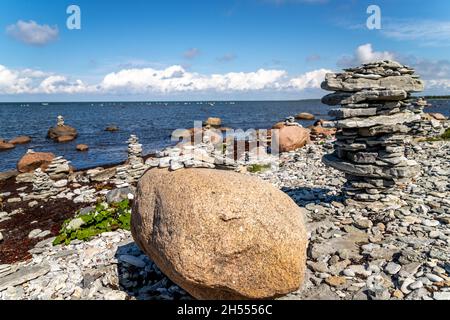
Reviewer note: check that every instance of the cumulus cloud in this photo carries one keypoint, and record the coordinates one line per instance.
(191, 53)
(32, 33)
(309, 80)
(439, 84)
(365, 54)
(28, 81)
(177, 79)
(171, 80)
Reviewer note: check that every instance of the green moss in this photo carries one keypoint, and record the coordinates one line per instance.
(444, 137)
(103, 219)
(258, 168)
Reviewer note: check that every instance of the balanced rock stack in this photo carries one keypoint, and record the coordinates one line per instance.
(59, 168)
(43, 186)
(430, 125)
(135, 167)
(375, 112)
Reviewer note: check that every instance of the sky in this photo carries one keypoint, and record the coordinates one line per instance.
(210, 49)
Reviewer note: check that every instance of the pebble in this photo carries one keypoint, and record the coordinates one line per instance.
(416, 285)
(441, 295)
(392, 268)
(434, 278)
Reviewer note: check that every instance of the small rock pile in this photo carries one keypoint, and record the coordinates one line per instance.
(207, 155)
(59, 168)
(430, 124)
(43, 186)
(375, 110)
(290, 121)
(135, 167)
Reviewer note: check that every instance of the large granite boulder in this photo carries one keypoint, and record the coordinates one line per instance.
(62, 133)
(290, 138)
(220, 234)
(33, 160)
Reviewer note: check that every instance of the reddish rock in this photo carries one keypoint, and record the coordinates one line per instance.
(6, 145)
(112, 128)
(62, 133)
(213, 122)
(82, 147)
(323, 132)
(20, 140)
(305, 116)
(290, 138)
(278, 125)
(63, 139)
(438, 116)
(33, 160)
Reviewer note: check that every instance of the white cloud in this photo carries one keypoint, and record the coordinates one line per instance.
(365, 54)
(171, 80)
(309, 80)
(33, 33)
(441, 84)
(60, 84)
(177, 79)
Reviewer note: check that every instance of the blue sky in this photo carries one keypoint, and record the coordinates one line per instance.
(203, 49)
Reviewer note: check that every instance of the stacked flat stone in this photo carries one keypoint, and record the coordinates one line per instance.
(428, 126)
(58, 169)
(375, 112)
(60, 121)
(205, 155)
(135, 167)
(290, 121)
(43, 186)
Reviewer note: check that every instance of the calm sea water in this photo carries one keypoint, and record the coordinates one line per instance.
(152, 122)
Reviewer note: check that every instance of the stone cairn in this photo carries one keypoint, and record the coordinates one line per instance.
(376, 109)
(59, 168)
(135, 167)
(290, 121)
(60, 121)
(208, 155)
(430, 125)
(43, 186)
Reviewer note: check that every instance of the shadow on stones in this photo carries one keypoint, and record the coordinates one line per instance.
(140, 278)
(304, 196)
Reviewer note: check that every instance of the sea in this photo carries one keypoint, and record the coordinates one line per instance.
(152, 122)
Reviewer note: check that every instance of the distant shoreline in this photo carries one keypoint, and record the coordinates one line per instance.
(437, 97)
(443, 97)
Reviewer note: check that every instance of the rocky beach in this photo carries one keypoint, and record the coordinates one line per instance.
(353, 207)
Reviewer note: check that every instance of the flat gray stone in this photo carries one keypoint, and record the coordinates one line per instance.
(23, 275)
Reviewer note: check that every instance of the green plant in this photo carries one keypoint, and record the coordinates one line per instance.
(254, 168)
(103, 219)
(444, 136)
